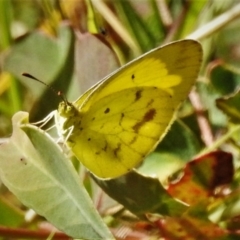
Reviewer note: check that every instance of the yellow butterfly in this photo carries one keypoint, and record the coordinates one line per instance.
(116, 123)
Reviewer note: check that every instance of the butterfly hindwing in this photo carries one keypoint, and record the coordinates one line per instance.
(121, 129)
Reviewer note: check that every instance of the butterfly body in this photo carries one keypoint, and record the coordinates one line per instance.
(120, 120)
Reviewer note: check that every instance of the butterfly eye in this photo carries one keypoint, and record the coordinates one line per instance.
(68, 109)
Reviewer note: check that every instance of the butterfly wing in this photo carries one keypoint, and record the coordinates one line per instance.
(173, 68)
(115, 135)
(126, 116)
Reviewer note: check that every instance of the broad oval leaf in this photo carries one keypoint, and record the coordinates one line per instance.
(33, 167)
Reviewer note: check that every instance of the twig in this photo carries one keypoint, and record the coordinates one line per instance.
(30, 234)
(206, 132)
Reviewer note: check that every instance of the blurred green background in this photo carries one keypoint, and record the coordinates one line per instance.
(71, 45)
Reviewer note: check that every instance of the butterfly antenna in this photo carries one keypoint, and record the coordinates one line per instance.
(58, 93)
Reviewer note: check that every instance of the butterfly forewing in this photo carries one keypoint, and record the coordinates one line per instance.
(122, 118)
(173, 67)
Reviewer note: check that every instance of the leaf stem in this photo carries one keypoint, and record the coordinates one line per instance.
(216, 24)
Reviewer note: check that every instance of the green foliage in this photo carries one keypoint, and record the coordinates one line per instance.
(31, 157)
(170, 196)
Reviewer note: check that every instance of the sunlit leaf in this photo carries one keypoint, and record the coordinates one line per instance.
(36, 171)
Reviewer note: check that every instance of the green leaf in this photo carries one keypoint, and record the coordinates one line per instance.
(33, 167)
(180, 141)
(208, 96)
(94, 59)
(47, 58)
(10, 215)
(230, 106)
(136, 23)
(141, 194)
(161, 165)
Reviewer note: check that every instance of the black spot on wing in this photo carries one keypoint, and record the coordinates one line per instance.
(116, 150)
(138, 95)
(104, 149)
(121, 118)
(107, 110)
(133, 140)
(149, 115)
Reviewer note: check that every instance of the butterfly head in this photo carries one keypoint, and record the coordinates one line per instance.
(66, 109)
